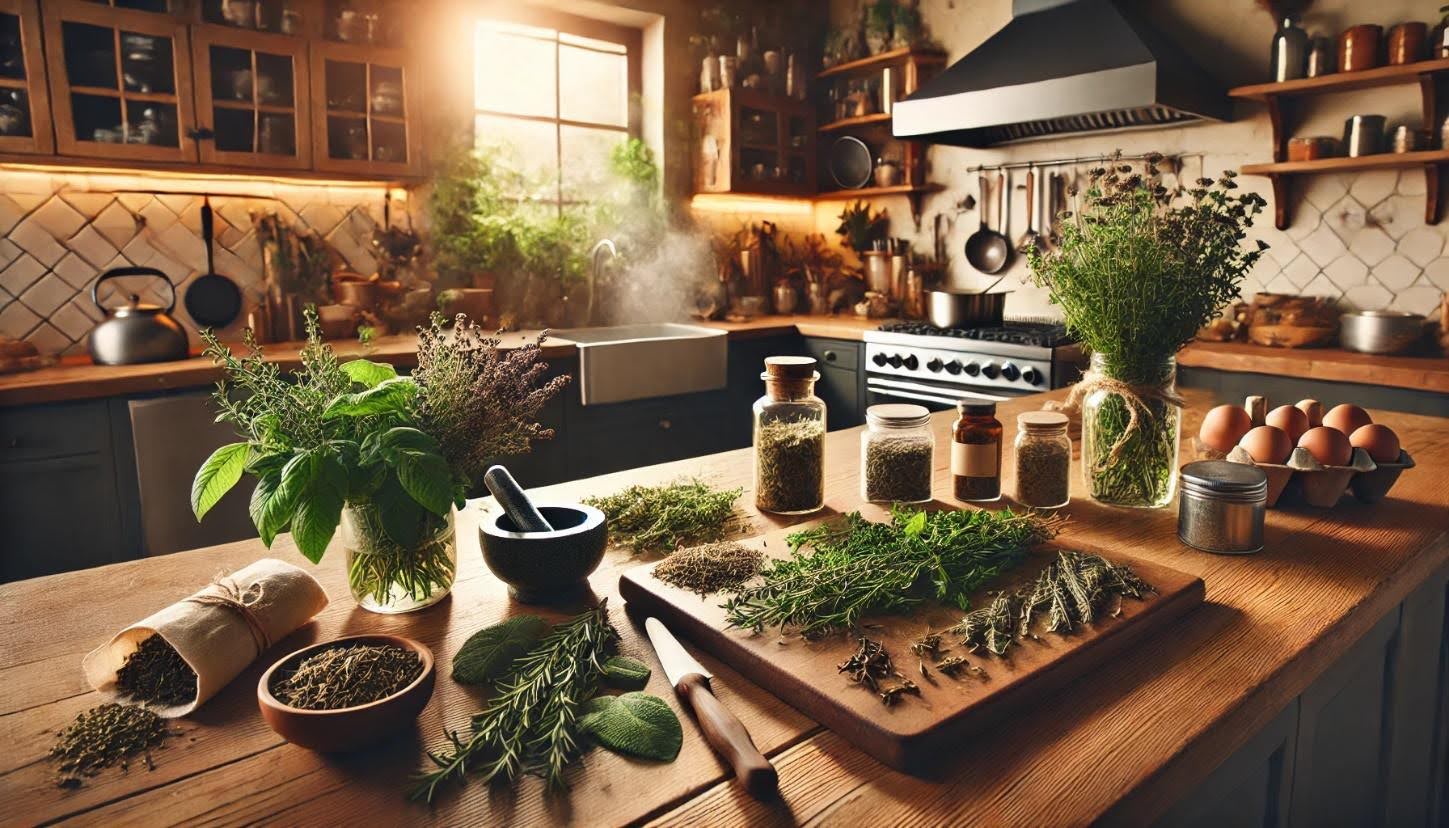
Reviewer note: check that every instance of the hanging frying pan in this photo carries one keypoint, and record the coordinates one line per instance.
(213, 300)
(986, 249)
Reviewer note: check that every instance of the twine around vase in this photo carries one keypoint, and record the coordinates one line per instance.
(1135, 397)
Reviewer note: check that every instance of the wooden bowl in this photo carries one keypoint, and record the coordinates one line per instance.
(348, 728)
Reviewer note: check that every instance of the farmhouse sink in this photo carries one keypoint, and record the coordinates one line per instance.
(633, 362)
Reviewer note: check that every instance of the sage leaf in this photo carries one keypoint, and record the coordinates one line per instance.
(487, 654)
(391, 395)
(426, 478)
(217, 475)
(626, 673)
(634, 724)
(368, 373)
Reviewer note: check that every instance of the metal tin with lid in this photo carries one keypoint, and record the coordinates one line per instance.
(1221, 506)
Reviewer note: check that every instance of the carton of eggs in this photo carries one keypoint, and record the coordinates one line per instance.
(1321, 453)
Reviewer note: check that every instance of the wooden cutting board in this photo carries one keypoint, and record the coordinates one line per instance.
(916, 730)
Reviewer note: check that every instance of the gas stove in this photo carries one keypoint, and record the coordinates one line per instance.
(920, 362)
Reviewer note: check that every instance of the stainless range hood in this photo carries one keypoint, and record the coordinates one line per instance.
(1060, 67)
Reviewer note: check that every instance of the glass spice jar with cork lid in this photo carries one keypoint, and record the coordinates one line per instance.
(976, 452)
(1043, 460)
(896, 454)
(789, 438)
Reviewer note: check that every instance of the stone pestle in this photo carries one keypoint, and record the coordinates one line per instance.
(515, 501)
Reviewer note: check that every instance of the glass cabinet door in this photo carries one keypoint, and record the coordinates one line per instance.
(24, 103)
(364, 105)
(252, 95)
(120, 80)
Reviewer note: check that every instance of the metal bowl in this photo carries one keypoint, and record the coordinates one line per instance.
(1380, 332)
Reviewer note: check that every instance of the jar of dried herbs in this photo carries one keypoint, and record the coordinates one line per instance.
(789, 438)
(896, 453)
(1043, 459)
(976, 452)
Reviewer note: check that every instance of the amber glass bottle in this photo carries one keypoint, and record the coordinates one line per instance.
(976, 452)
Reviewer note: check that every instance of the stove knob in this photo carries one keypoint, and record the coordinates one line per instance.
(895, 360)
(912, 363)
(990, 371)
(953, 367)
(934, 366)
(973, 368)
(1032, 376)
(1010, 372)
(879, 359)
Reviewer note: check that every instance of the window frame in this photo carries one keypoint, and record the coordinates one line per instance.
(631, 39)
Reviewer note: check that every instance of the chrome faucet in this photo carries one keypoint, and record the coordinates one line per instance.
(604, 245)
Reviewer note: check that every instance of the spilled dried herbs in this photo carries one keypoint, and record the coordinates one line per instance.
(347, 675)
(103, 736)
(856, 567)
(663, 518)
(713, 567)
(871, 665)
(156, 674)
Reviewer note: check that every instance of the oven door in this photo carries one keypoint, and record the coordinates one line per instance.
(934, 396)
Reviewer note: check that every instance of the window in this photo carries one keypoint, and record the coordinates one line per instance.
(557, 91)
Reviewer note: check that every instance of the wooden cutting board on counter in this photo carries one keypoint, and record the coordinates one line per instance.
(913, 733)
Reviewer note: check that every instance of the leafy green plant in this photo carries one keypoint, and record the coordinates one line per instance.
(859, 226)
(401, 451)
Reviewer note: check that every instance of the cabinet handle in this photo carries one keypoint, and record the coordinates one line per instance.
(829, 356)
(665, 424)
(200, 134)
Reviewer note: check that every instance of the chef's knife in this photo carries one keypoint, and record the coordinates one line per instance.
(721, 729)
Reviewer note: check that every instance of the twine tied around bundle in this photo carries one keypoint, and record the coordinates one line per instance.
(224, 592)
(1134, 397)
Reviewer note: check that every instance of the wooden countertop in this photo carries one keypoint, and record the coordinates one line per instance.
(1421, 373)
(77, 378)
(1120, 748)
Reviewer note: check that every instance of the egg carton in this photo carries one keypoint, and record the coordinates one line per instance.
(1305, 479)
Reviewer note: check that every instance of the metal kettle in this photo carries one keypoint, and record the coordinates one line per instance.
(136, 331)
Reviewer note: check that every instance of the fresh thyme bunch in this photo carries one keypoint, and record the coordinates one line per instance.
(664, 518)
(531, 724)
(857, 568)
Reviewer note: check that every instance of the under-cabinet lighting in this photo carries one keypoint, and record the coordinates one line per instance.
(728, 203)
(241, 184)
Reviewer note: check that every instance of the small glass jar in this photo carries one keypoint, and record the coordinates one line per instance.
(1043, 460)
(896, 454)
(1221, 507)
(789, 429)
(976, 452)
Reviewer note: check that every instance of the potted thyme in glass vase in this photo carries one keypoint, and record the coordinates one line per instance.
(387, 459)
(1137, 271)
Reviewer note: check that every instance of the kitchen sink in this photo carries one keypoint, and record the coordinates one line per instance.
(633, 362)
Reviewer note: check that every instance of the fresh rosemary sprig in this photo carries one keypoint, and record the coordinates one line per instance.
(663, 518)
(856, 567)
(531, 724)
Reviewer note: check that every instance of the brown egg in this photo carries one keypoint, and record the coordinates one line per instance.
(1290, 419)
(1327, 445)
(1347, 418)
(1314, 410)
(1224, 426)
(1380, 441)
(1267, 444)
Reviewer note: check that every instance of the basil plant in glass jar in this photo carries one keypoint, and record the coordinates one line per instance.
(1137, 270)
(385, 458)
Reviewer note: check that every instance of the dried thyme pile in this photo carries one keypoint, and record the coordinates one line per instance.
(156, 674)
(347, 675)
(713, 567)
(790, 466)
(871, 665)
(662, 518)
(897, 469)
(1043, 473)
(104, 736)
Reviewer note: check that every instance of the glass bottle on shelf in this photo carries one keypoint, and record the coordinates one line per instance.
(789, 438)
(976, 452)
(897, 453)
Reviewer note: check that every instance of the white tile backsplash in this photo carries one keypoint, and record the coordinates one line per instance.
(21, 274)
(1372, 246)
(1346, 272)
(1422, 245)
(48, 294)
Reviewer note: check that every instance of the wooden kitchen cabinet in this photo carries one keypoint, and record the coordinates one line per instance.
(24, 98)
(253, 95)
(752, 141)
(364, 110)
(120, 82)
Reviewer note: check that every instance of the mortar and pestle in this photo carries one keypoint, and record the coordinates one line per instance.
(544, 553)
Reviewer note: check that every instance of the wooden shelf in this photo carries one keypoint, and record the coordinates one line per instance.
(248, 106)
(1282, 172)
(874, 192)
(1341, 81)
(108, 92)
(857, 121)
(866, 65)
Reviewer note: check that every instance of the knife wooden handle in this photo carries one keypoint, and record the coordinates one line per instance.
(728, 737)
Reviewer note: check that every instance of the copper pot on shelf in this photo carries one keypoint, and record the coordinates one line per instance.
(1358, 47)
(1406, 42)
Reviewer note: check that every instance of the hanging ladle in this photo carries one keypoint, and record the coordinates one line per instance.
(986, 249)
